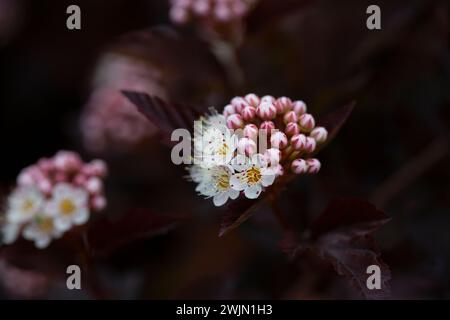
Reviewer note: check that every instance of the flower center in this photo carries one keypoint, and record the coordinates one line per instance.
(67, 207)
(27, 205)
(46, 224)
(223, 182)
(253, 175)
(223, 150)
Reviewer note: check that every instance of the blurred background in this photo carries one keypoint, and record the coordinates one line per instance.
(60, 89)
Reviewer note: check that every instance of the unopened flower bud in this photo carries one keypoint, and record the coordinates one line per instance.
(239, 103)
(94, 185)
(313, 165)
(251, 131)
(272, 156)
(235, 121)
(298, 142)
(266, 110)
(67, 161)
(290, 116)
(283, 105)
(299, 166)
(247, 146)
(310, 145)
(252, 99)
(229, 110)
(201, 7)
(307, 122)
(278, 140)
(248, 113)
(320, 134)
(98, 168)
(269, 99)
(292, 128)
(279, 171)
(98, 203)
(299, 107)
(268, 126)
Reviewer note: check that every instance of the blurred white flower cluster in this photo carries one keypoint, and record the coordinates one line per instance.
(251, 143)
(214, 10)
(52, 197)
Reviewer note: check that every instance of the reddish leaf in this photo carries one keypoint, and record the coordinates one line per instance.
(165, 116)
(106, 235)
(342, 236)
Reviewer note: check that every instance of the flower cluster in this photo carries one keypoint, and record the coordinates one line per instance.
(251, 143)
(53, 196)
(216, 10)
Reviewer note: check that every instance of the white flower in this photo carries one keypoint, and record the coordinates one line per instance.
(215, 147)
(214, 182)
(42, 230)
(253, 174)
(68, 206)
(23, 204)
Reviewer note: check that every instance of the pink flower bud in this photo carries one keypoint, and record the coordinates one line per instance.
(310, 145)
(279, 171)
(290, 116)
(313, 165)
(298, 142)
(44, 186)
(45, 165)
(67, 161)
(239, 103)
(247, 146)
(299, 107)
(278, 140)
(98, 168)
(201, 7)
(266, 110)
(25, 179)
(222, 12)
(235, 121)
(248, 113)
(251, 131)
(94, 185)
(273, 156)
(179, 14)
(253, 99)
(268, 99)
(307, 122)
(98, 203)
(283, 105)
(292, 128)
(299, 166)
(269, 126)
(80, 180)
(320, 134)
(229, 110)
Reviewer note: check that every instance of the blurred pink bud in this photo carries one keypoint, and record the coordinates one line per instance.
(179, 14)
(298, 142)
(313, 165)
(60, 177)
(252, 99)
(310, 145)
(299, 107)
(290, 116)
(278, 140)
(307, 122)
(223, 12)
(283, 105)
(25, 178)
(299, 166)
(80, 180)
(269, 126)
(67, 161)
(229, 110)
(235, 121)
(266, 110)
(320, 134)
(251, 131)
(98, 168)
(292, 128)
(94, 185)
(45, 165)
(273, 156)
(248, 113)
(239, 104)
(44, 186)
(201, 7)
(98, 203)
(247, 146)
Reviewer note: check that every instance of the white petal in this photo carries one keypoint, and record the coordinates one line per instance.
(42, 242)
(240, 163)
(62, 224)
(81, 216)
(267, 180)
(220, 199)
(233, 194)
(253, 192)
(237, 183)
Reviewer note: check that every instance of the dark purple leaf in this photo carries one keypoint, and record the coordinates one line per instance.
(165, 116)
(341, 235)
(106, 235)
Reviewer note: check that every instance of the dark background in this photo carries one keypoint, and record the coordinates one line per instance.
(393, 151)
